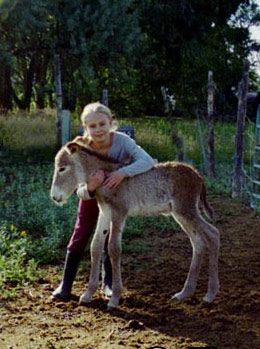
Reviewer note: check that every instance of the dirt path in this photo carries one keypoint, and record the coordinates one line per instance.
(147, 316)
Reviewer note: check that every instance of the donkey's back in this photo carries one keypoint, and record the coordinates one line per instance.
(165, 188)
(168, 188)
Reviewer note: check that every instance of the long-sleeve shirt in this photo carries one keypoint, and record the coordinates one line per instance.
(124, 149)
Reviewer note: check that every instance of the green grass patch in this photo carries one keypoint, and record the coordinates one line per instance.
(29, 136)
(153, 134)
(17, 267)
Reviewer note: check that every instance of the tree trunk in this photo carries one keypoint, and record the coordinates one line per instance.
(41, 74)
(58, 88)
(29, 82)
(237, 182)
(211, 150)
(5, 88)
(28, 77)
(176, 139)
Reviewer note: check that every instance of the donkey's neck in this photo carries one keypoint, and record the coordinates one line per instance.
(92, 162)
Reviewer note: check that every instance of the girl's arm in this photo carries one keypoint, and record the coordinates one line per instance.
(141, 160)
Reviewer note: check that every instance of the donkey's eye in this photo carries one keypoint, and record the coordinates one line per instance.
(62, 169)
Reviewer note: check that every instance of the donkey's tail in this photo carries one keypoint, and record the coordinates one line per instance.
(206, 206)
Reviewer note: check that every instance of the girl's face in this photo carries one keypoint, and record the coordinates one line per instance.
(98, 126)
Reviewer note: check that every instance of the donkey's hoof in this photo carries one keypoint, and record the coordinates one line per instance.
(178, 296)
(112, 304)
(182, 295)
(84, 299)
(209, 297)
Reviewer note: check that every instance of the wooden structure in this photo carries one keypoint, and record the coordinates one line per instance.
(238, 173)
(211, 140)
(169, 103)
(58, 90)
(65, 127)
(255, 199)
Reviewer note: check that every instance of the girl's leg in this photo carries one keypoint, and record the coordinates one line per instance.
(86, 220)
(85, 224)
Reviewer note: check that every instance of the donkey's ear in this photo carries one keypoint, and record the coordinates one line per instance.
(72, 147)
(79, 140)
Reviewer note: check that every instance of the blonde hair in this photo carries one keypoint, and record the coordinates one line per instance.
(96, 107)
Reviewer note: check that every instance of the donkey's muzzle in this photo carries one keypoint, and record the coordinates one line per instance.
(57, 200)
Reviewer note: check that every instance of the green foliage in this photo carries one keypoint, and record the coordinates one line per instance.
(223, 183)
(190, 38)
(16, 266)
(132, 48)
(26, 204)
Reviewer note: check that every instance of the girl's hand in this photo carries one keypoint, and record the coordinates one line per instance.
(95, 180)
(113, 180)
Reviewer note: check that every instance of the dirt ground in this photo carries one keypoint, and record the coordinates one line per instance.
(147, 316)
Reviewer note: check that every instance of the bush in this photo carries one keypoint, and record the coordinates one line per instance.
(16, 266)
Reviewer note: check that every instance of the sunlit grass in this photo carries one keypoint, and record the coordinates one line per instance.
(154, 135)
(30, 135)
(35, 134)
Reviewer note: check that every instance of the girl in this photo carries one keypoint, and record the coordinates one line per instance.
(99, 135)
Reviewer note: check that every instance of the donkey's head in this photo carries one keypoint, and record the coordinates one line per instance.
(68, 172)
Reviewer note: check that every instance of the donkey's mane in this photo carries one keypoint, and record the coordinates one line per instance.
(83, 143)
(85, 149)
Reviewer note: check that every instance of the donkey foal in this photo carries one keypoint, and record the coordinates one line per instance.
(169, 188)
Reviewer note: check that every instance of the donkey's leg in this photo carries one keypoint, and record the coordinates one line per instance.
(114, 250)
(198, 249)
(212, 238)
(96, 249)
(208, 236)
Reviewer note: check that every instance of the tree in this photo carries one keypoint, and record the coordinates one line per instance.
(186, 39)
(98, 39)
(25, 32)
(129, 47)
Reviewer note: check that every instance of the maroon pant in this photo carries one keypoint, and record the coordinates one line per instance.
(85, 224)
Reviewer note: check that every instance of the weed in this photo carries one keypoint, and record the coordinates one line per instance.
(16, 266)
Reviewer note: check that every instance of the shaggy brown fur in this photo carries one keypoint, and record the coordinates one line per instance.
(170, 188)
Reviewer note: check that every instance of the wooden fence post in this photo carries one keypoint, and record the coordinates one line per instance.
(202, 146)
(211, 148)
(58, 90)
(237, 181)
(65, 127)
(176, 139)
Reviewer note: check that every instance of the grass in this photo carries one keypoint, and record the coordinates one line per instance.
(29, 136)
(32, 137)
(153, 134)
(33, 230)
